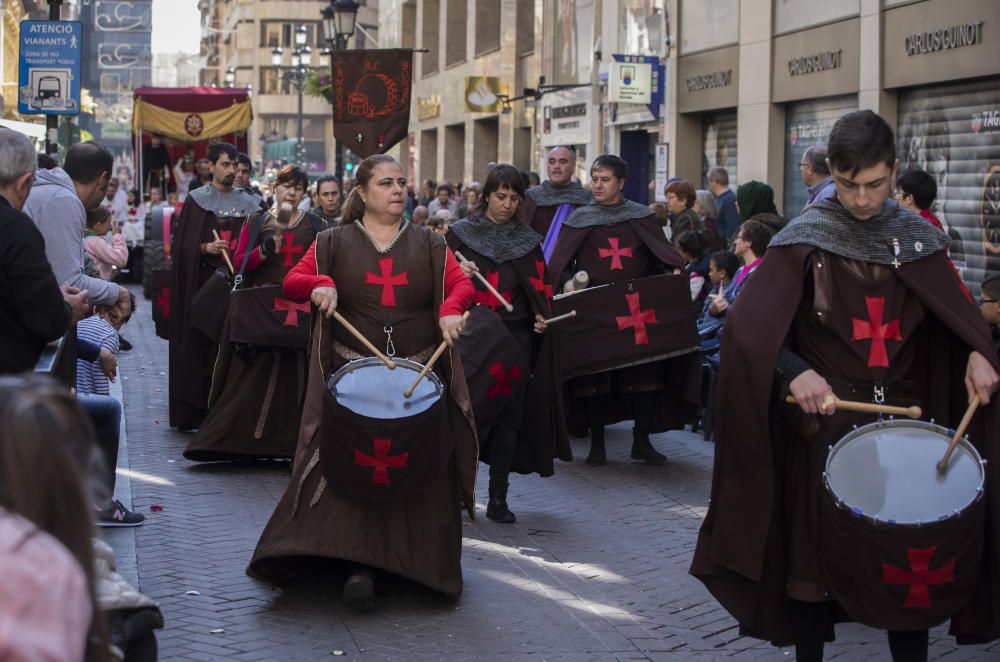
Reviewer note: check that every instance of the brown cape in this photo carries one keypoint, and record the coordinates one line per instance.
(740, 555)
(419, 537)
(542, 435)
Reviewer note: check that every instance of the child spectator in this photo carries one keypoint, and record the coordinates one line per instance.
(692, 246)
(102, 329)
(721, 271)
(107, 257)
(916, 190)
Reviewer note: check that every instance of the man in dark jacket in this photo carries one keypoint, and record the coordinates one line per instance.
(33, 311)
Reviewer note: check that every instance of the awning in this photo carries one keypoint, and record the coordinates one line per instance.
(29, 129)
(191, 114)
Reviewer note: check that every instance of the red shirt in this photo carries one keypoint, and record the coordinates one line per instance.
(303, 279)
(931, 218)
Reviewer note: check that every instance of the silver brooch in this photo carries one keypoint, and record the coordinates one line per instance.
(918, 246)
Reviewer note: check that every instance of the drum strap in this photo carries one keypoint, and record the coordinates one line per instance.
(349, 354)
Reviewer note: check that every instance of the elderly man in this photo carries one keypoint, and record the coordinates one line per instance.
(728, 221)
(816, 175)
(547, 205)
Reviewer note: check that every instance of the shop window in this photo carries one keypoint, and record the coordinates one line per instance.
(718, 141)
(640, 27)
(428, 154)
(573, 42)
(455, 27)
(487, 26)
(454, 152)
(807, 123)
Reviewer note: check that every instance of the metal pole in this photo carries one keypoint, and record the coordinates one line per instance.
(301, 81)
(52, 121)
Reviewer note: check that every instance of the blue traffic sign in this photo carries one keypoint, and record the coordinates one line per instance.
(49, 63)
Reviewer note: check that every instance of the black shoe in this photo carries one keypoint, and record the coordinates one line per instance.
(359, 591)
(597, 456)
(124, 345)
(496, 508)
(117, 515)
(642, 449)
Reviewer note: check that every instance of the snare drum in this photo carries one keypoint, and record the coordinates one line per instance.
(376, 444)
(902, 544)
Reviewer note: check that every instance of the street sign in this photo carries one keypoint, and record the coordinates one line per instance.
(49, 63)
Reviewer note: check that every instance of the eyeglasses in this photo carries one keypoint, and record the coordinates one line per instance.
(983, 301)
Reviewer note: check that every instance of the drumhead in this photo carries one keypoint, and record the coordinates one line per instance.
(367, 387)
(888, 471)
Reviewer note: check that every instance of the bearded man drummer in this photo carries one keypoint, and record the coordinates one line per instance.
(856, 299)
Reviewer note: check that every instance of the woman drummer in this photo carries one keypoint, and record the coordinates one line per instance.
(509, 255)
(401, 287)
(256, 391)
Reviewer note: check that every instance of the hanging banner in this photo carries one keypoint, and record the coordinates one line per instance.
(371, 98)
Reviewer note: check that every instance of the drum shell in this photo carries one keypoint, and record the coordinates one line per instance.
(486, 346)
(258, 319)
(348, 441)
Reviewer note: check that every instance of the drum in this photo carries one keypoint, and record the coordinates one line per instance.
(263, 317)
(902, 544)
(376, 444)
(495, 370)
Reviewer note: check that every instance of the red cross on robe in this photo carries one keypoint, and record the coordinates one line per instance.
(484, 298)
(387, 280)
(381, 462)
(290, 249)
(502, 379)
(873, 329)
(227, 236)
(539, 283)
(163, 302)
(615, 253)
(636, 319)
(919, 578)
(291, 308)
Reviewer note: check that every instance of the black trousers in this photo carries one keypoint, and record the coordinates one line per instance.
(812, 620)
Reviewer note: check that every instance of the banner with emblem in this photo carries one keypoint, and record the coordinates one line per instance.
(200, 114)
(371, 98)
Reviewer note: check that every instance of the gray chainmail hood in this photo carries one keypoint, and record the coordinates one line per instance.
(498, 242)
(547, 195)
(594, 215)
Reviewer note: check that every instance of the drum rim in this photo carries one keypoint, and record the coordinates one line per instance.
(902, 423)
(366, 361)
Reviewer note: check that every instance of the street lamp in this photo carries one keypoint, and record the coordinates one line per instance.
(340, 17)
(301, 59)
(230, 76)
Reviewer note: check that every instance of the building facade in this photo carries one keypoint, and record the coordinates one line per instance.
(14, 11)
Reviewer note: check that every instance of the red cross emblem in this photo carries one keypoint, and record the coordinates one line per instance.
(920, 578)
(637, 319)
(387, 280)
(616, 254)
(381, 462)
(539, 283)
(290, 249)
(163, 302)
(873, 329)
(484, 298)
(502, 380)
(291, 308)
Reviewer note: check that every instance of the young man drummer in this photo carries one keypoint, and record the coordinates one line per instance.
(855, 299)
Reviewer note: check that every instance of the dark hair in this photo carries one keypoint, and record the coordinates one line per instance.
(245, 160)
(757, 235)
(525, 177)
(291, 175)
(991, 286)
(534, 179)
(610, 162)
(131, 306)
(683, 190)
(97, 215)
(216, 150)
(354, 206)
(920, 185)
(693, 243)
(328, 178)
(86, 162)
(46, 162)
(502, 175)
(719, 175)
(661, 213)
(443, 187)
(861, 139)
(727, 262)
(815, 156)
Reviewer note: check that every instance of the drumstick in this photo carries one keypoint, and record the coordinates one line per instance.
(942, 464)
(225, 253)
(430, 364)
(866, 407)
(364, 341)
(486, 284)
(559, 318)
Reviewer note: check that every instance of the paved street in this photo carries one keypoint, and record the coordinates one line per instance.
(595, 568)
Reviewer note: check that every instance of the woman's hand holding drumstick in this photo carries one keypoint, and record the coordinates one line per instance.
(435, 356)
(833, 404)
(472, 270)
(325, 300)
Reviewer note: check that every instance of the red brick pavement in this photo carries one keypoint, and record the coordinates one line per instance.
(594, 569)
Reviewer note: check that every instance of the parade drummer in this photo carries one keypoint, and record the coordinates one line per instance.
(508, 254)
(856, 299)
(256, 391)
(400, 286)
(613, 240)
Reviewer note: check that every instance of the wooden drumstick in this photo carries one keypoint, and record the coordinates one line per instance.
(866, 407)
(559, 318)
(430, 364)
(225, 253)
(486, 284)
(389, 363)
(942, 464)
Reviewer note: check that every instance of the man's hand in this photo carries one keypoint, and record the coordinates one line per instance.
(468, 268)
(813, 393)
(451, 327)
(78, 300)
(215, 247)
(540, 325)
(980, 378)
(109, 364)
(325, 300)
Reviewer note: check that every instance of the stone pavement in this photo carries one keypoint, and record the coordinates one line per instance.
(594, 569)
